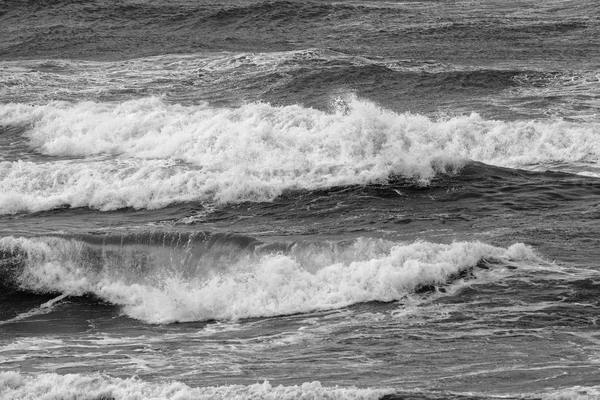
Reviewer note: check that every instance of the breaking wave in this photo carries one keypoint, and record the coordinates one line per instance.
(221, 278)
(14, 385)
(148, 154)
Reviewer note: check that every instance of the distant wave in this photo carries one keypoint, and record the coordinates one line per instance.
(308, 76)
(205, 278)
(148, 154)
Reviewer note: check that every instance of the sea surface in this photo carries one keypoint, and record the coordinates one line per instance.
(299, 199)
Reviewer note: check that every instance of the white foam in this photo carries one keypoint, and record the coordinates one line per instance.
(264, 284)
(16, 386)
(102, 184)
(147, 153)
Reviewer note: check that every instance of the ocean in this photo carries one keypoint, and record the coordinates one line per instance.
(299, 199)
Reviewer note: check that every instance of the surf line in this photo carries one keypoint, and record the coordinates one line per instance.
(42, 309)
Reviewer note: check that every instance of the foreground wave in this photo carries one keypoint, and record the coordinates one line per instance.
(198, 279)
(15, 385)
(148, 154)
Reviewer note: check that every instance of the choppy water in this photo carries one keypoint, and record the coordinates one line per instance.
(299, 199)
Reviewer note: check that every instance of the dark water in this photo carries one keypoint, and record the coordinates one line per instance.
(296, 199)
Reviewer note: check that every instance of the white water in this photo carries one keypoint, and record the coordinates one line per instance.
(148, 154)
(261, 284)
(16, 386)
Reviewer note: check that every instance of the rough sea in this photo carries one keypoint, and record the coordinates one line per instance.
(299, 199)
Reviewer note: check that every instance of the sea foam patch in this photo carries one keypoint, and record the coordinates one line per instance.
(256, 284)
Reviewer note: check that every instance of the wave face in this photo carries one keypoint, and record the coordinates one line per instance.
(148, 154)
(176, 278)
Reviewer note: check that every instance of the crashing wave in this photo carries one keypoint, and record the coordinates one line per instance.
(232, 279)
(148, 154)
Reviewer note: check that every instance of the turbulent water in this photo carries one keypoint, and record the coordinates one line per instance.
(299, 199)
